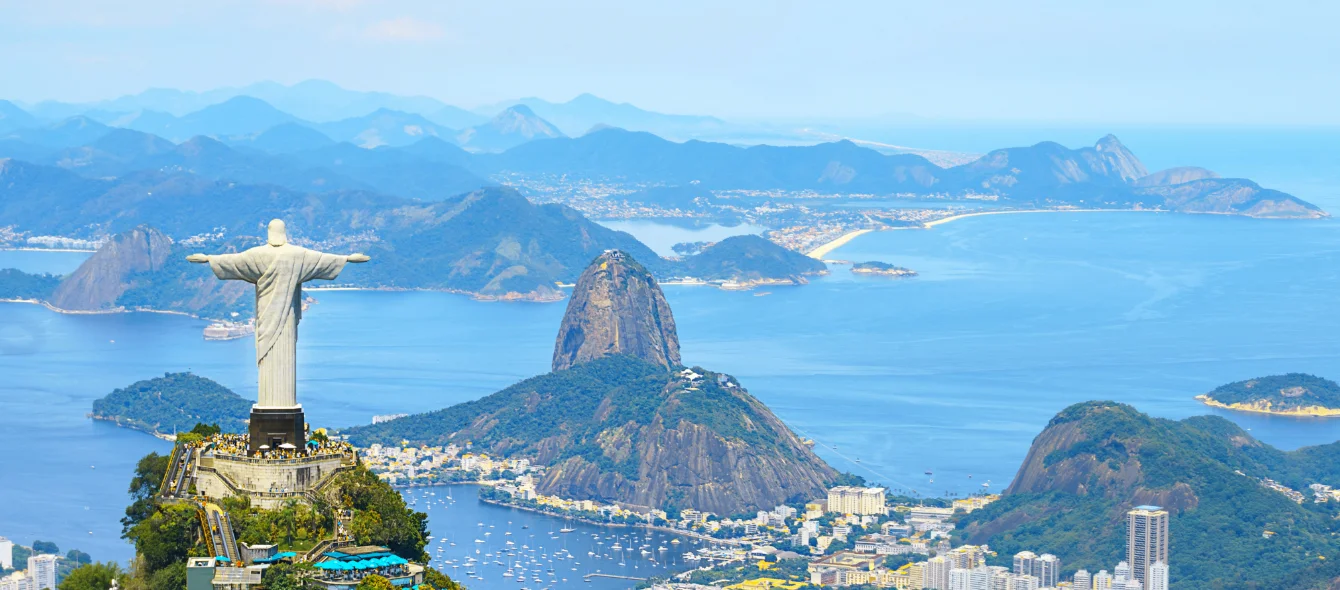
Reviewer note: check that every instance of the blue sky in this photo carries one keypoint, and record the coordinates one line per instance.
(1221, 62)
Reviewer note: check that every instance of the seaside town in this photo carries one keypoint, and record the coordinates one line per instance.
(800, 220)
(855, 537)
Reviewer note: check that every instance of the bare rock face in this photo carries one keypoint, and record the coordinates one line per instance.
(101, 279)
(616, 308)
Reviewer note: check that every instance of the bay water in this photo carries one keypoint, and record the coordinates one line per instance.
(1012, 318)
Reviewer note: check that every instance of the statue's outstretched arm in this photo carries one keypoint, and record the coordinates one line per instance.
(198, 258)
(358, 257)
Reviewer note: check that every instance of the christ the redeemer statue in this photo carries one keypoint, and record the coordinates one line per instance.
(278, 269)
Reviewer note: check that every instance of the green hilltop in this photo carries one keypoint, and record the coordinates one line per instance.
(175, 402)
(1096, 460)
(618, 428)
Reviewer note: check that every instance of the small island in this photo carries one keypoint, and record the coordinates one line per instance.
(1294, 394)
(882, 269)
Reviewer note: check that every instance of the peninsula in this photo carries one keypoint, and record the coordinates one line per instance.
(1293, 394)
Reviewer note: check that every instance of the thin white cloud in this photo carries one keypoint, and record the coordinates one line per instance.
(403, 29)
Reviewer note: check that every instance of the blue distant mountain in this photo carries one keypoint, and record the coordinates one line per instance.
(283, 138)
(239, 115)
(395, 171)
(1047, 174)
(510, 128)
(455, 117)
(70, 132)
(384, 127)
(434, 149)
(644, 157)
(12, 117)
(312, 100)
(586, 111)
(329, 167)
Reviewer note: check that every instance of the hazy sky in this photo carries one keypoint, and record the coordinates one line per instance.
(1094, 61)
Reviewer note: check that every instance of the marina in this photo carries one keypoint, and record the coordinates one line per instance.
(489, 546)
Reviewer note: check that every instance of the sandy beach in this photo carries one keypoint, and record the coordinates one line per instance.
(821, 251)
(1007, 212)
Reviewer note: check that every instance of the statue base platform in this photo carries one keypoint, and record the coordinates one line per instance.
(274, 427)
(268, 483)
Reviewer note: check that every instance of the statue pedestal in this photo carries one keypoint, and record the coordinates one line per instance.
(273, 427)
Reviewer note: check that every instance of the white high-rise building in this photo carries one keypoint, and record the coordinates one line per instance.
(978, 578)
(1020, 582)
(1102, 580)
(1082, 581)
(1123, 571)
(1047, 569)
(854, 500)
(42, 569)
(1134, 584)
(16, 581)
(1146, 540)
(937, 573)
(959, 579)
(1024, 562)
(6, 554)
(1158, 576)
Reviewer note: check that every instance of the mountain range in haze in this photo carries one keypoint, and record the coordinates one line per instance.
(322, 102)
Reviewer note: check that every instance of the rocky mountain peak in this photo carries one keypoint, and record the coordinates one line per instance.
(616, 308)
(1119, 161)
(101, 279)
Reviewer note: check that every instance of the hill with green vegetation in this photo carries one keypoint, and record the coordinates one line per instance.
(16, 284)
(166, 532)
(174, 403)
(1096, 460)
(750, 258)
(621, 429)
(1291, 393)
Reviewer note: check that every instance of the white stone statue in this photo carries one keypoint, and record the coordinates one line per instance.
(278, 270)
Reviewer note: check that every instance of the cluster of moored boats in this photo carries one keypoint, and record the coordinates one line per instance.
(534, 559)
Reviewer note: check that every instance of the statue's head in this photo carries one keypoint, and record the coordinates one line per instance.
(278, 235)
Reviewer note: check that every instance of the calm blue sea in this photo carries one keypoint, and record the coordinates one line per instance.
(1013, 318)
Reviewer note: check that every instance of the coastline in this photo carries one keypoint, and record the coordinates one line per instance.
(1264, 408)
(101, 311)
(133, 425)
(824, 249)
(930, 224)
